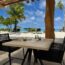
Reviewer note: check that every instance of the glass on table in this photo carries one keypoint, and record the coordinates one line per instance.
(37, 37)
(27, 38)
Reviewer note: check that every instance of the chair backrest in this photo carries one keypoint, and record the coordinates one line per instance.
(55, 54)
(4, 38)
(64, 43)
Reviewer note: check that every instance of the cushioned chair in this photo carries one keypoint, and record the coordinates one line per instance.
(5, 38)
(55, 54)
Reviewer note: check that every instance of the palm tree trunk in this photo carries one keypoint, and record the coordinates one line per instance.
(15, 26)
(49, 19)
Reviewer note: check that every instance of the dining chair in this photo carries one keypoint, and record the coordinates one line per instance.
(5, 38)
(64, 43)
(55, 53)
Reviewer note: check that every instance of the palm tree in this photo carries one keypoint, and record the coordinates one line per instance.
(16, 12)
(60, 5)
(7, 22)
(1, 19)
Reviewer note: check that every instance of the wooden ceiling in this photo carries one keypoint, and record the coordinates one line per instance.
(4, 2)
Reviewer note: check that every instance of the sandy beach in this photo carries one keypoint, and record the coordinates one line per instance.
(32, 34)
(40, 34)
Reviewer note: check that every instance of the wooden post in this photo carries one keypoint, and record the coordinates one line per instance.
(49, 19)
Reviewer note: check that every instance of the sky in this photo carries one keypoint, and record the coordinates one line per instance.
(35, 15)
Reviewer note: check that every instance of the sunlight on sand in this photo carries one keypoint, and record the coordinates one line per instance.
(32, 34)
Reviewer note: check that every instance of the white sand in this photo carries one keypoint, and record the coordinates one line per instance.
(57, 34)
(32, 34)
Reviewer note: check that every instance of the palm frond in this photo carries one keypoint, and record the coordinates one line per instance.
(60, 5)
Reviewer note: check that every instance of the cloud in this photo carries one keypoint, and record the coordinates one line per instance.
(43, 15)
(32, 18)
(29, 19)
(39, 13)
(42, 4)
(58, 19)
(63, 1)
(29, 12)
(57, 1)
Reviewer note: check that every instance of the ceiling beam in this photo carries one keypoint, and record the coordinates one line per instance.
(3, 3)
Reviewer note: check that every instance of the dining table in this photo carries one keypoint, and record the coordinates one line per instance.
(30, 44)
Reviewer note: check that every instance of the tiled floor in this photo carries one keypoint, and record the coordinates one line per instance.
(1, 52)
(19, 54)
